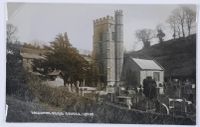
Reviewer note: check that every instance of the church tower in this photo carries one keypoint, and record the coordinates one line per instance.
(108, 47)
(119, 51)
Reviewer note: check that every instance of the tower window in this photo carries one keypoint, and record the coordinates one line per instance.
(113, 35)
(100, 36)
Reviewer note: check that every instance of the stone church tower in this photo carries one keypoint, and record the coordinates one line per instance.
(108, 47)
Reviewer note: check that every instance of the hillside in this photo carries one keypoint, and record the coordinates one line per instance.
(178, 57)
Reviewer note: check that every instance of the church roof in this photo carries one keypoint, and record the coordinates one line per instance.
(145, 64)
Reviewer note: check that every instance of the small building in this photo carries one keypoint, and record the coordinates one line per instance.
(55, 79)
(54, 74)
(136, 70)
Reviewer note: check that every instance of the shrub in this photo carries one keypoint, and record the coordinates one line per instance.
(15, 74)
(59, 96)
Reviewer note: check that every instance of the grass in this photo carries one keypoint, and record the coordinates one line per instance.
(47, 99)
(20, 111)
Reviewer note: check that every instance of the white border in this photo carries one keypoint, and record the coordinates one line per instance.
(111, 1)
(3, 57)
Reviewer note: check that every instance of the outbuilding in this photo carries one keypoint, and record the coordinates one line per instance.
(136, 70)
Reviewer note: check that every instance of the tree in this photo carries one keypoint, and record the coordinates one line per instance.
(149, 89)
(180, 18)
(16, 76)
(149, 86)
(160, 33)
(10, 32)
(145, 35)
(66, 58)
(62, 56)
(190, 16)
(173, 24)
(92, 75)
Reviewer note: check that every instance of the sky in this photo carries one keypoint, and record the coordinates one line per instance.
(41, 22)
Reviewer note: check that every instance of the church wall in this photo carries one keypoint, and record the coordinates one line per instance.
(131, 72)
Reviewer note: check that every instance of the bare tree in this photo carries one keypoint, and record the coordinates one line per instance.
(10, 30)
(173, 24)
(145, 35)
(178, 29)
(180, 18)
(190, 16)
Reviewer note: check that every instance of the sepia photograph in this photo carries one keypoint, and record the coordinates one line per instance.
(101, 63)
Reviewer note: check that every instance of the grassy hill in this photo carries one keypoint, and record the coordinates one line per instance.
(178, 57)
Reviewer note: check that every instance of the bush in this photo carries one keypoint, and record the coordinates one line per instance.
(59, 96)
(16, 76)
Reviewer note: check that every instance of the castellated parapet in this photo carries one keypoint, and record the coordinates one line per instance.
(118, 12)
(104, 20)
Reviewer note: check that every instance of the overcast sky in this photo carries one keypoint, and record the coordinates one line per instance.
(42, 21)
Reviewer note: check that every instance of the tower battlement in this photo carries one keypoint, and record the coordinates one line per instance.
(103, 20)
(118, 12)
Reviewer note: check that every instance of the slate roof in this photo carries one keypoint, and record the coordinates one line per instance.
(147, 64)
